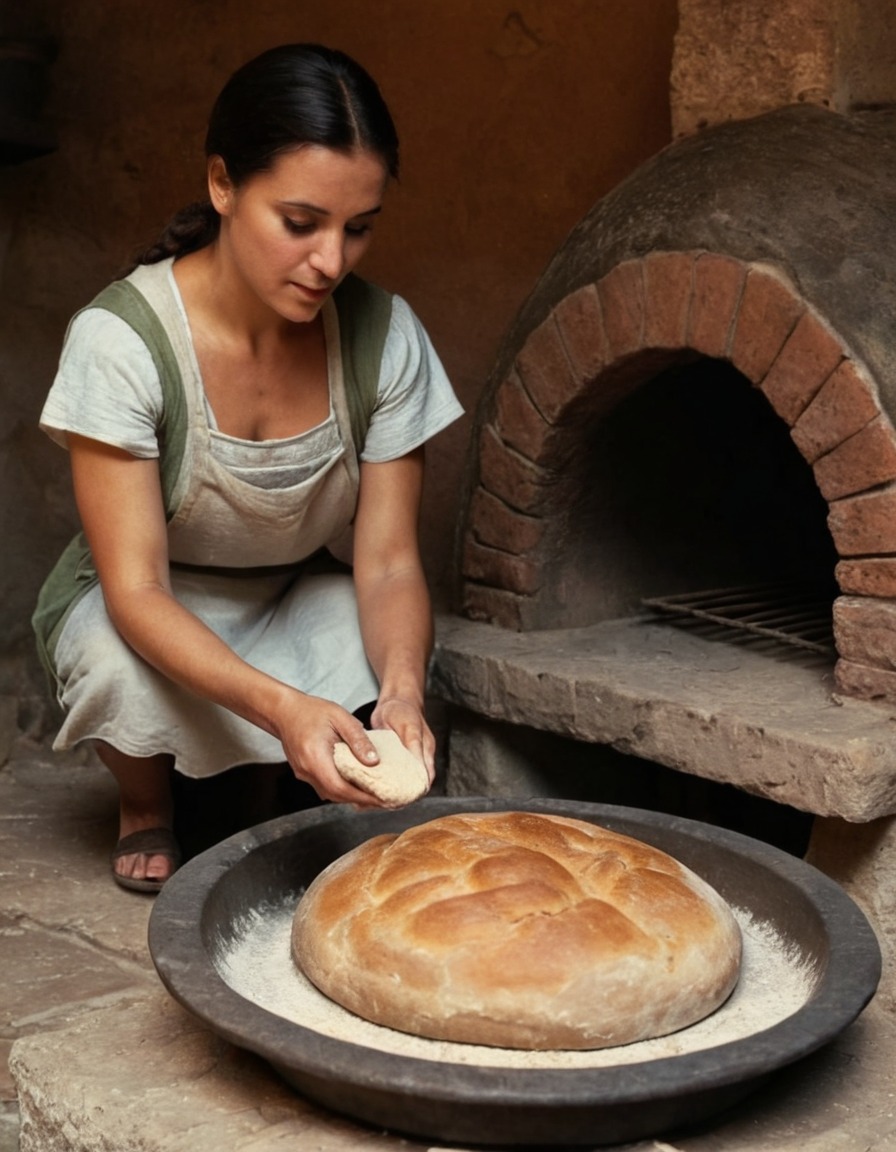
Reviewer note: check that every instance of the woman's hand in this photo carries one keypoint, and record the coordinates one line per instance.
(407, 722)
(309, 728)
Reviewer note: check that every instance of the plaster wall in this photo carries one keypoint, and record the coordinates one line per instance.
(514, 118)
(734, 61)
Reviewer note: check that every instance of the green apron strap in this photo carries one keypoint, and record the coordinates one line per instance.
(130, 305)
(365, 313)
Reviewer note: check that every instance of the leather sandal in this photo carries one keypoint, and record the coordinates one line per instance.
(146, 842)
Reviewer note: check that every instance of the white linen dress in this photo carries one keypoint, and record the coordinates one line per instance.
(249, 516)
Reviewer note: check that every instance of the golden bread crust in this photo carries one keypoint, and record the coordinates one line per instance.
(517, 929)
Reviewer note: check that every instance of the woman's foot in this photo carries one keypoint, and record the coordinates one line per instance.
(146, 854)
(149, 858)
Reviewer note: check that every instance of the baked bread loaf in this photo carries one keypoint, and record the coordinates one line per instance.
(519, 930)
(397, 779)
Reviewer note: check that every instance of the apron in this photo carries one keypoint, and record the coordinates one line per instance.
(240, 562)
(221, 520)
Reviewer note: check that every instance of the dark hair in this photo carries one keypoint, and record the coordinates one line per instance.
(291, 95)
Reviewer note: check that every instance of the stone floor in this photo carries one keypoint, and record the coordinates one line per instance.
(102, 1058)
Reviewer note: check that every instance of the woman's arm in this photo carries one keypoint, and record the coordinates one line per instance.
(393, 600)
(119, 499)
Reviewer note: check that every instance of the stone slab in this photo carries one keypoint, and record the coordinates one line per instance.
(765, 722)
(149, 1078)
(9, 1127)
(50, 978)
(188, 1091)
(70, 941)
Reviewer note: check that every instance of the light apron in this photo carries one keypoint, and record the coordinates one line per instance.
(293, 621)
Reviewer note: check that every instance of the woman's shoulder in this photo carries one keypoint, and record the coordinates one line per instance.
(98, 335)
(106, 367)
(109, 316)
(106, 387)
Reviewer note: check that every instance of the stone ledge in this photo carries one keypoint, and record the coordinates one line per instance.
(770, 724)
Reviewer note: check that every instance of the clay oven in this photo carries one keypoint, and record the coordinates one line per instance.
(699, 395)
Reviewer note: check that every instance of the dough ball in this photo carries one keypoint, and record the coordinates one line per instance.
(397, 779)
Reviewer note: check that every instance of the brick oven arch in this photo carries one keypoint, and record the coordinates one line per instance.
(645, 313)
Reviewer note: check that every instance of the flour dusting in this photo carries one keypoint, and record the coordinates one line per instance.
(775, 981)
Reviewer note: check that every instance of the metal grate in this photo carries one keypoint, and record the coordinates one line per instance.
(797, 612)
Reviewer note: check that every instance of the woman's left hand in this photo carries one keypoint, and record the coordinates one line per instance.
(407, 722)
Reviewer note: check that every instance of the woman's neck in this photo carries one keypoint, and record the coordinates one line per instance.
(221, 307)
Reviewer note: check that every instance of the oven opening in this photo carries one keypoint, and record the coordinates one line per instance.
(689, 499)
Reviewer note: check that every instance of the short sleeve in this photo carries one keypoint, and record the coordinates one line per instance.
(415, 398)
(107, 387)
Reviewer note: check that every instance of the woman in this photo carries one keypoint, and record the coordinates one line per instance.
(230, 408)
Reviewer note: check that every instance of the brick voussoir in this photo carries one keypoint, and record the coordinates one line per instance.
(621, 294)
(519, 423)
(768, 312)
(498, 526)
(545, 371)
(718, 285)
(504, 570)
(864, 461)
(579, 320)
(668, 286)
(868, 576)
(492, 606)
(865, 525)
(508, 475)
(809, 356)
(845, 404)
(865, 631)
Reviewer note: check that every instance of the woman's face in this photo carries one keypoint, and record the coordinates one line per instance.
(294, 232)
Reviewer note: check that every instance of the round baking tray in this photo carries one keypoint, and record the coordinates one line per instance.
(209, 901)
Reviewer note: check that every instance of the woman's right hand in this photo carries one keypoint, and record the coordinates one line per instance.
(309, 728)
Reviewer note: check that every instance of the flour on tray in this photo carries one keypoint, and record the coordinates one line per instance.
(775, 981)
